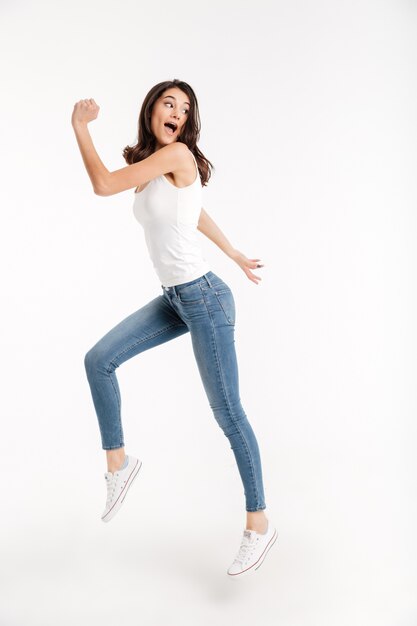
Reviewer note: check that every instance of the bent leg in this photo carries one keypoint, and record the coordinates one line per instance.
(151, 325)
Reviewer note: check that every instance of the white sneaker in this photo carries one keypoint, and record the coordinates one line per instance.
(118, 485)
(252, 552)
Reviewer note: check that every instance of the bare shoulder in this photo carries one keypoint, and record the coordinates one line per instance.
(177, 149)
(177, 154)
(184, 172)
(182, 154)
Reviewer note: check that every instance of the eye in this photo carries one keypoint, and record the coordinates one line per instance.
(185, 110)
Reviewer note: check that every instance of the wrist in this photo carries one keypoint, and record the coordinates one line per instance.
(79, 125)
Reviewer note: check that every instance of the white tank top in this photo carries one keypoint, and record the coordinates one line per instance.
(169, 216)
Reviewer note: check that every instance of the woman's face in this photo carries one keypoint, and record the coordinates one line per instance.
(170, 108)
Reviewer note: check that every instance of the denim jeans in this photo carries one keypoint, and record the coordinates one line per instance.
(204, 307)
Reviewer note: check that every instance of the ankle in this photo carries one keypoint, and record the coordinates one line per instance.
(115, 459)
(114, 465)
(256, 521)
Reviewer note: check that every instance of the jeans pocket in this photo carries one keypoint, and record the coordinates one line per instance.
(227, 302)
(191, 294)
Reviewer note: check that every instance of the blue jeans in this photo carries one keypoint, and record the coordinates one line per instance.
(204, 307)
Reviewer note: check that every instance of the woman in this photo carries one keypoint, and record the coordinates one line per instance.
(168, 172)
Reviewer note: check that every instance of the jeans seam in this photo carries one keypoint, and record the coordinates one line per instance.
(118, 402)
(235, 423)
(229, 320)
(110, 372)
(159, 332)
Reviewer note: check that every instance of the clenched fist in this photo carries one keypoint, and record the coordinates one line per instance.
(84, 111)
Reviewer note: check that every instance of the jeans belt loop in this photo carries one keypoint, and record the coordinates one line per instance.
(207, 279)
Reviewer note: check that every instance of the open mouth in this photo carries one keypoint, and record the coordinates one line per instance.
(171, 127)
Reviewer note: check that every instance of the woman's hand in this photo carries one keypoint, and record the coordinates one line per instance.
(247, 264)
(84, 111)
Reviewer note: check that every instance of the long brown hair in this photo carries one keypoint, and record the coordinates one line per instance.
(190, 135)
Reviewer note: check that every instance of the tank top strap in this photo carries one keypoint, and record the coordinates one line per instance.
(196, 165)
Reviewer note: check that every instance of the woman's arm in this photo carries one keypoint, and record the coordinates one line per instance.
(210, 229)
(106, 183)
(96, 170)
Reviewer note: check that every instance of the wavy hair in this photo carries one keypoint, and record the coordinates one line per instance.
(146, 142)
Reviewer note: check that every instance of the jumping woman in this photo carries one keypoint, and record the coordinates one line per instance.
(167, 171)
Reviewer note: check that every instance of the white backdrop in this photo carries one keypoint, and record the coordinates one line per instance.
(308, 114)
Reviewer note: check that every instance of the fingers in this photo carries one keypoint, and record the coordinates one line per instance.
(252, 276)
(87, 102)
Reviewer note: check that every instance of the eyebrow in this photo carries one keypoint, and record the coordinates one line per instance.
(175, 99)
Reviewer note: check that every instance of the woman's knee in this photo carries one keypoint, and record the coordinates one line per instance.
(89, 360)
(96, 359)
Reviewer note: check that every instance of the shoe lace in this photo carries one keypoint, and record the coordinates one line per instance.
(111, 480)
(246, 548)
